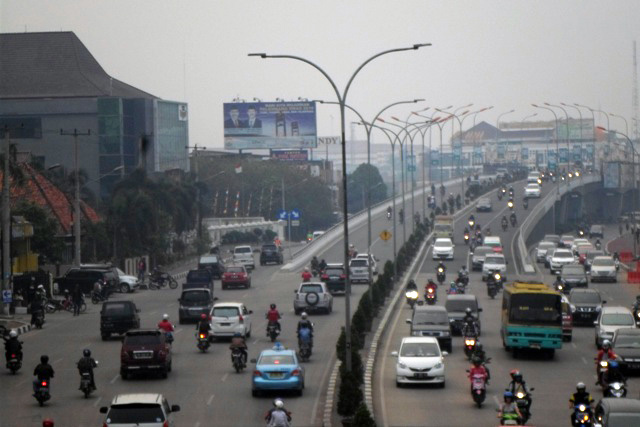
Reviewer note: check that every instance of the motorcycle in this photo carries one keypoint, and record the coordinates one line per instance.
(615, 389)
(85, 384)
(272, 331)
(98, 297)
(203, 342)
(499, 195)
(236, 360)
(463, 278)
(510, 204)
(466, 238)
(38, 319)
(525, 204)
(412, 297)
(441, 275)
(389, 216)
(493, 284)
(42, 392)
(514, 221)
(159, 279)
(510, 420)
(602, 368)
(505, 225)
(523, 399)
(430, 296)
(478, 389)
(636, 315)
(14, 362)
(469, 345)
(304, 342)
(168, 337)
(582, 416)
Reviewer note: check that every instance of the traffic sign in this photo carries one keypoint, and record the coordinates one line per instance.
(295, 214)
(385, 235)
(295, 223)
(283, 215)
(7, 297)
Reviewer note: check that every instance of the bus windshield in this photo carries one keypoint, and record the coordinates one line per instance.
(538, 309)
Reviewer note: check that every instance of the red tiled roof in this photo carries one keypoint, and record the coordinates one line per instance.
(39, 190)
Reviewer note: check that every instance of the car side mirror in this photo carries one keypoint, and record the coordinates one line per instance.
(175, 408)
(137, 310)
(479, 309)
(215, 298)
(604, 302)
(253, 361)
(394, 353)
(295, 291)
(250, 311)
(408, 321)
(445, 353)
(180, 300)
(532, 389)
(104, 409)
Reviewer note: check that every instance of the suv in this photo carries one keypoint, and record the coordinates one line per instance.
(213, 263)
(86, 278)
(372, 260)
(484, 205)
(194, 302)
(228, 318)
(478, 256)
(312, 296)
(610, 320)
(270, 253)
(118, 317)
(457, 305)
(587, 303)
(335, 278)
(244, 255)
(596, 231)
(145, 350)
(359, 270)
(615, 412)
(149, 409)
(431, 321)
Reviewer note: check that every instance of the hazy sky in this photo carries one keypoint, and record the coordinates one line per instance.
(502, 53)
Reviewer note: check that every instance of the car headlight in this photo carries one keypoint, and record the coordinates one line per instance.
(438, 365)
(598, 308)
(402, 365)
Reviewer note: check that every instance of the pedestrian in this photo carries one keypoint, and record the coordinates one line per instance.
(142, 269)
(76, 297)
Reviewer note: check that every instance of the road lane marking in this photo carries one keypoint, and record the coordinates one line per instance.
(114, 379)
(245, 295)
(225, 376)
(153, 312)
(584, 361)
(178, 330)
(210, 400)
(255, 341)
(55, 362)
(495, 399)
(574, 345)
(171, 305)
(95, 404)
(197, 424)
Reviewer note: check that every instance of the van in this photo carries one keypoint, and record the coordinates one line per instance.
(431, 321)
(193, 303)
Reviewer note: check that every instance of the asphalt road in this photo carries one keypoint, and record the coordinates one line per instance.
(206, 387)
(554, 380)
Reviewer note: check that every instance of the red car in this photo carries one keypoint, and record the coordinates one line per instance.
(145, 350)
(236, 276)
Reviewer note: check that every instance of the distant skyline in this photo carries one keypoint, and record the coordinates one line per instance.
(507, 54)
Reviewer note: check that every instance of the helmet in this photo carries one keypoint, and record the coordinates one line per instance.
(513, 373)
(44, 358)
(273, 306)
(203, 316)
(468, 310)
(638, 297)
(66, 291)
(47, 422)
(40, 287)
(13, 333)
(508, 395)
(165, 316)
(278, 403)
(351, 246)
(86, 352)
(606, 344)
(304, 315)
(581, 387)
(476, 361)
(464, 267)
(306, 270)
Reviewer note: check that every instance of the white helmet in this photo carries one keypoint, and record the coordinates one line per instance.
(40, 287)
(304, 315)
(278, 403)
(165, 316)
(306, 270)
(13, 333)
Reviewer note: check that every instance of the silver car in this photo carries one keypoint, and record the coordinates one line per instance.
(313, 296)
(603, 269)
(542, 249)
(359, 270)
(610, 320)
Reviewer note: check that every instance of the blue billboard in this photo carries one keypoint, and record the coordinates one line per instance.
(265, 125)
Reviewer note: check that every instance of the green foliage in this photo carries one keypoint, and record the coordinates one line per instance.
(357, 187)
(235, 236)
(44, 240)
(268, 236)
(362, 417)
(349, 394)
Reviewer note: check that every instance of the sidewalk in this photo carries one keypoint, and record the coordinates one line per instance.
(7, 324)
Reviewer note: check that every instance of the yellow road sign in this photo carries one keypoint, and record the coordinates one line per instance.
(385, 235)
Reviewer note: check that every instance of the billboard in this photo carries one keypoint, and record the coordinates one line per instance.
(611, 174)
(266, 125)
(290, 155)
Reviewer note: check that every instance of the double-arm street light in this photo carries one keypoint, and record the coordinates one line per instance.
(342, 100)
(581, 134)
(457, 117)
(556, 138)
(568, 136)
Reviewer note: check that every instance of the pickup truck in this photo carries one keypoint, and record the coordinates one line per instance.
(199, 279)
(443, 226)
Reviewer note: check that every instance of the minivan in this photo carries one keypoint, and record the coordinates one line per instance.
(193, 303)
(431, 321)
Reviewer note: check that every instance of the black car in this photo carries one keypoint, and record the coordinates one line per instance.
(335, 277)
(573, 276)
(484, 205)
(194, 302)
(456, 306)
(118, 317)
(213, 263)
(596, 231)
(626, 344)
(86, 278)
(270, 253)
(432, 321)
(587, 304)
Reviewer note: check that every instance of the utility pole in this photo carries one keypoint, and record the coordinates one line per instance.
(76, 203)
(198, 213)
(6, 220)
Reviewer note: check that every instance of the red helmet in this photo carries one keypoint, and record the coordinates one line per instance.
(203, 316)
(513, 373)
(47, 422)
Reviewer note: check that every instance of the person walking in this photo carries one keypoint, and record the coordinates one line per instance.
(77, 297)
(142, 269)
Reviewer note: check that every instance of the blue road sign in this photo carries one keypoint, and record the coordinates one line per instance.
(295, 214)
(283, 215)
(7, 296)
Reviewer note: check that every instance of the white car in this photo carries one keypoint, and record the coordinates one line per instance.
(372, 260)
(494, 262)
(610, 320)
(359, 270)
(420, 361)
(443, 248)
(542, 249)
(227, 318)
(603, 268)
(244, 255)
(532, 190)
(559, 258)
(127, 283)
(148, 409)
(579, 241)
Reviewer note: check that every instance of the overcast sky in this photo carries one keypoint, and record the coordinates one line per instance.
(507, 54)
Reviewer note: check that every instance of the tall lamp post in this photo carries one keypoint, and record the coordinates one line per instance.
(457, 117)
(556, 164)
(593, 118)
(568, 136)
(498, 127)
(342, 100)
(581, 133)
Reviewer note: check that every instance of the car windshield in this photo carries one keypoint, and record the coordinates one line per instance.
(546, 245)
(562, 254)
(311, 288)
(121, 273)
(622, 319)
(624, 419)
(419, 349)
(603, 262)
(195, 296)
(243, 250)
(333, 272)
(442, 227)
(235, 270)
(442, 244)
(494, 260)
(225, 312)
(358, 263)
(596, 229)
(592, 254)
(532, 186)
(459, 305)
(269, 248)
(276, 359)
(484, 202)
(430, 318)
(539, 309)
(141, 340)
(627, 341)
(482, 251)
(585, 298)
(135, 413)
(573, 270)
(116, 308)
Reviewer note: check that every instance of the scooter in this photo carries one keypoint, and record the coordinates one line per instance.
(523, 399)
(441, 275)
(582, 416)
(304, 343)
(14, 362)
(469, 345)
(478, 389)
(615, 389)
(38, 319)
(389, 216)
(85, 384)
(42, 392)
(430, 296)
(272, 331)
(98, 297)
(466, 238)
(236, 360)
(412, 297)
(525, 204)
(203, 342)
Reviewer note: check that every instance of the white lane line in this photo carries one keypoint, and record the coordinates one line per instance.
(197, 424)
(114, 379)
(255, 341)
(374, 242)
(55, 362)
(210, 400)
(224, 377)
(95, 404)
(495, 399)
(178, 330)
(153, 312)
(245, 295)
(574, 345)
(171, 305)
(584, 361)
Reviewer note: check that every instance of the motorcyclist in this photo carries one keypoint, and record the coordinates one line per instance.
(453, 288)
(304, 322)
(581, 396)
(41, 294)
(430, 284)
(203, 326)
(37, 309)
(471, 221)
(481, 355)
(43, 372)
(12, 345)
(470, 327)
(636, 304)
(322, 265)
(411, 286)
(463, 274)
(604, 353)
(513, 217)
(306, 275)
(98, 289)
(478, 369)
(614, 374)
(87, 364)
(389, 210)
(598, 245)
(505, 221)
(509, 407)
(352, 251)
(558, 282)
(166, 326)
(441, 266)
(314, 264)
(273, 316)
(278, 416)
(525, 203)
(518, 384)
(238, 342)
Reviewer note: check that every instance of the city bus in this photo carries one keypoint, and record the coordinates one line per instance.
(531, 317)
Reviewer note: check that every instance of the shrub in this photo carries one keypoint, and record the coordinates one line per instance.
(349, 395)
(362, 417)
(357, 369)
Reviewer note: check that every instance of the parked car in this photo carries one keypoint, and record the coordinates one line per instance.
(313, 296)
(145, 350)
(277, 369)
(479, 254)
(559, 258)
(456, 306)
(494, 262)
(335, 277)
(532, 190)
(616, 412)
(118, 317)
(603, 269)
(271, 253)
(610, 320)
(443, 248)
(213, 263)
(542, 249)
(236, 276)
(626, 344)
(243, 255)
(227, 318)
(573, 276)
(431, 321)
(587, 303)
(86, 278)
(194, 302)
(567, 319)
(484, 205)
(128, 283)
(148, 409)
(596, 231)
(359, 270)
(420, 361)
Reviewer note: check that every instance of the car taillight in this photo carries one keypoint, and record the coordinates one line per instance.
(13, 356)
(241, 319)
(165, 424)
(257, 373)
(295, 373)
(325, 277)
(104, 425)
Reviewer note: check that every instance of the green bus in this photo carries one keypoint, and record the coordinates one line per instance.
(531, 317)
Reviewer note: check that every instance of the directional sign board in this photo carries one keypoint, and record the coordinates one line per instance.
(7, 297)
(283, 215)
(295, 217)
(385, 235)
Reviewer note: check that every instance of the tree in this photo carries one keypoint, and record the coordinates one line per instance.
(45, 227)
(357, 187)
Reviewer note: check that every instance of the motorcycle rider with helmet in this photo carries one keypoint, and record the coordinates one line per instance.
(558, 282)
(478, 369)
(480, 355)
(470, 327)
(518, 384)
(240, 343)
(613, 374)
(636, 303)
(203, 326)
(314, 264)
(43, 372)
(12, 345)
(430, 284)
(273, 316)
(306, 275)
(441, 265)
(604, 352)
(581, 396)
(87, 364)
(166, 326)
(305, 323)
(322, 265)
(278, 416)
(411, 286)
(505, 222)
(509, 407)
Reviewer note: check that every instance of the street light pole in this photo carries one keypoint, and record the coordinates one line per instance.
(498, 128)
(342, 99)
(568, 136)
(581, 135)
(6, 220)
(557, 161)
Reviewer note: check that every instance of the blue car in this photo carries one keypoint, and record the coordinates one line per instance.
(277, 369)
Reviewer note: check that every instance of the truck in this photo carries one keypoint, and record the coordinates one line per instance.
(201, 278)
(443, 226)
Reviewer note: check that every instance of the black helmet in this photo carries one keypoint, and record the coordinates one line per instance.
(86, 352)
(44, 358)
(476, 361)
(273, 306)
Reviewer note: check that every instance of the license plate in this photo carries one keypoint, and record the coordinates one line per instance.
(333, 277)
(421, 375)
(224, 324)
(276, 375)
(633, 365)
(537, 346)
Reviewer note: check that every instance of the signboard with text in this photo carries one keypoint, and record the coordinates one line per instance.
(290, 155)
